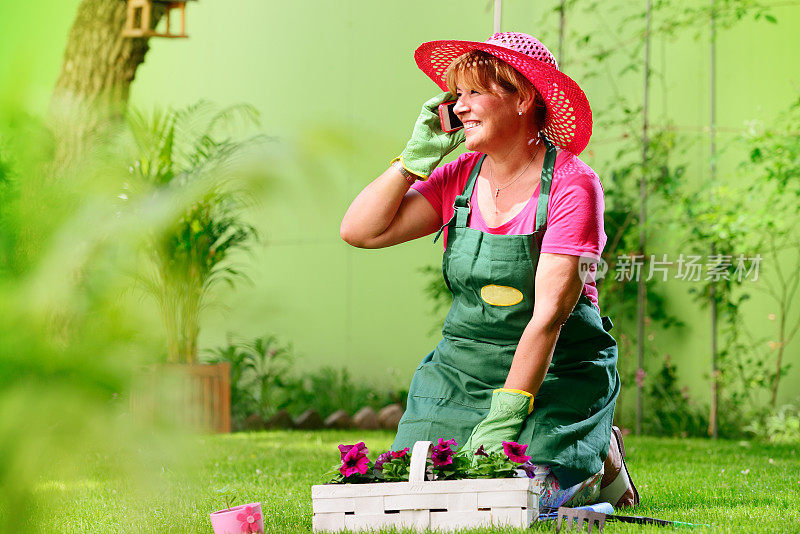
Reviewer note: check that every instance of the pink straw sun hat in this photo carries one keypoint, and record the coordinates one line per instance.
(568, 122)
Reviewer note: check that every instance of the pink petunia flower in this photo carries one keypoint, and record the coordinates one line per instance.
(344, 449)
(382, 459)
(529, 468)
(442, 453)
(249, 519)
(515, 451)
(442, 456)
(400, 454)
(448, 443)
(481, 452)
(354, 461)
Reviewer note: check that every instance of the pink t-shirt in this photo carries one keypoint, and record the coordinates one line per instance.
(574, 209)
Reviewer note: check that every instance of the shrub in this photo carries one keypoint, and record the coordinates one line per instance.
(328, 389)
(672, 411)
(258, 370)
(780, 426)
(263, 381)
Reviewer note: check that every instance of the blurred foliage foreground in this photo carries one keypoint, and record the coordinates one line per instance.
(74, 325)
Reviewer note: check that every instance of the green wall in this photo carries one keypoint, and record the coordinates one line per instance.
(339, 91)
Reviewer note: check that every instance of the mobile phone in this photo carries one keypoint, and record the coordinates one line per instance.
(450, 121)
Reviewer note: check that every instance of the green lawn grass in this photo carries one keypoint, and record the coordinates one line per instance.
(736, 486)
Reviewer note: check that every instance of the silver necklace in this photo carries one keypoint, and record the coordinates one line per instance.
(517, 177)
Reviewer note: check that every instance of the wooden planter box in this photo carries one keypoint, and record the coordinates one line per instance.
(444, 505)
(197, 396)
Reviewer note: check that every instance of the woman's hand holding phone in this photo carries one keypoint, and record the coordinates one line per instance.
(429, 143)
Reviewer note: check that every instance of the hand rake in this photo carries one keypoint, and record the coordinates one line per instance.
(577, 518)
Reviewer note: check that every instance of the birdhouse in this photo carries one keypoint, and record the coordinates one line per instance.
(140, 14)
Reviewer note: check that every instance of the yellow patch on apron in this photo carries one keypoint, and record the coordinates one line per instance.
(501, 295)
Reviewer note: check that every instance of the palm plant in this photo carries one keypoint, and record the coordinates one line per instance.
(181, 155)
(258, 367)
(267, 364)
(238, 357)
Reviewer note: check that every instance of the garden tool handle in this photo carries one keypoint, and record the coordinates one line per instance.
(641, 520)
(419, 460)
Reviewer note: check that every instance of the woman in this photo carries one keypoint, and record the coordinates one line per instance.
(520, 215)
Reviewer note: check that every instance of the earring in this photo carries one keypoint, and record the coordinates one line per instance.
(519, 113)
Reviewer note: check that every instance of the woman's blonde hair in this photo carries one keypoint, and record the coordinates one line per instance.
(478, 69)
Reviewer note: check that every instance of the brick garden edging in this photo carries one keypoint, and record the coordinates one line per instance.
(364, 419)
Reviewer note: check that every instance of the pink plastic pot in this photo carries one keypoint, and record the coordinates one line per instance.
(238, 519)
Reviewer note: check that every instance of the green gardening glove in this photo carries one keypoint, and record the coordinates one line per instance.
(429, 144)
(510, 408)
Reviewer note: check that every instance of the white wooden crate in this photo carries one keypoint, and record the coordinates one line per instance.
(420, 504)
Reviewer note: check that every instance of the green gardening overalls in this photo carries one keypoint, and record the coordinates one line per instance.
(491, 278)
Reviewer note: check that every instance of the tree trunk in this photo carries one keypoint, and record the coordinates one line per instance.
(713, 416)
(641, 295)
(779, 360)
(98, 68)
